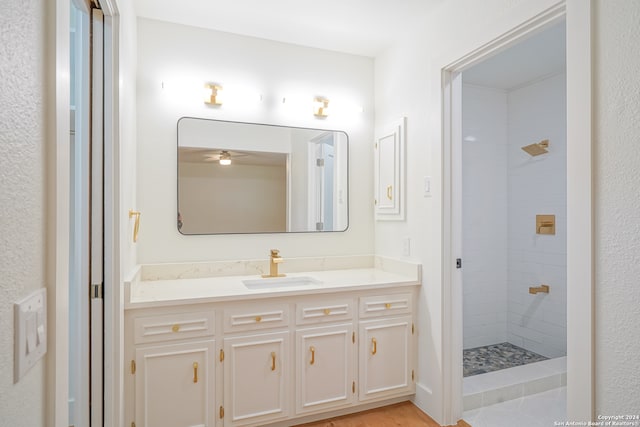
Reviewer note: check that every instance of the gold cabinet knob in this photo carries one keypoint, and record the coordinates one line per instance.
(175, 328)
(327, 311)
(258, 318)
(387, 305)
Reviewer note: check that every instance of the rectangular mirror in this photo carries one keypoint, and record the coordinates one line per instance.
(254, 178)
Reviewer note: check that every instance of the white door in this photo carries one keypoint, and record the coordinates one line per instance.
(175, 385)
(325, 376)
(385, 358)
(87, 212)
(256, 376)
(97, 220)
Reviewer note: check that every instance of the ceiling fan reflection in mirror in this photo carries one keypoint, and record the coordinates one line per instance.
(223, 157)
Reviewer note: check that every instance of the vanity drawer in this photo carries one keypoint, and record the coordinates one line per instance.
(173, 326)
(256, 316)
(385, 305)
(324, 311)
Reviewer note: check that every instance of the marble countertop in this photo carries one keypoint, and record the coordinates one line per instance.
(154, 290)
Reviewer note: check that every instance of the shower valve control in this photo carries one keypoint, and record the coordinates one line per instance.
(458, 262)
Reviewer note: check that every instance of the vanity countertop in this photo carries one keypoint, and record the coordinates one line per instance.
(158, 291)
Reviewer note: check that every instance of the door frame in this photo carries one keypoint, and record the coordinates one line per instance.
(57, 383)
(580, 277)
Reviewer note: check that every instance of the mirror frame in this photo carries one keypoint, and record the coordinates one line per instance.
(261, 232)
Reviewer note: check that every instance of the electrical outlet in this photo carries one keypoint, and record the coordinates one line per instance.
(406, 246)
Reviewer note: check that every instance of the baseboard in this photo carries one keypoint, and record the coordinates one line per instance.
(424, 400)
(339, 412)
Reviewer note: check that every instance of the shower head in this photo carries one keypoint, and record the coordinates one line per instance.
(537, 149)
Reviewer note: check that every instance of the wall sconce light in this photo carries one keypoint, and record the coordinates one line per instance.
(225, 158)
(320, 107)
(212, 95)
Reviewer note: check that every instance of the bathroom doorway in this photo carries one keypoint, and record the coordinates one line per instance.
(580, 246)
(495, 98)
(513, 223)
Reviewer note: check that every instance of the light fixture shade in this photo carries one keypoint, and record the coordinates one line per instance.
(320, 107)
(225, 158)
(212, 94)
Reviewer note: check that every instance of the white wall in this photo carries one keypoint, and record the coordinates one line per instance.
(617, 204)
(484, 215)
(538, 185)
(187, 57)
(238, 198)
(408, 82)
(23, 199)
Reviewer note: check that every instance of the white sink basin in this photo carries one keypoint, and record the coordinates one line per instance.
(282, 282)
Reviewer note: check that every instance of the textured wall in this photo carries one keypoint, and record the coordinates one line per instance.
(22, 199)
(617, 203)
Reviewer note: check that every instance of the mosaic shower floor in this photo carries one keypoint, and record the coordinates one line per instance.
(489, 358)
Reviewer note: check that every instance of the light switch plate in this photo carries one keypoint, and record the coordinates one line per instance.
(30, 337)
(426, 183)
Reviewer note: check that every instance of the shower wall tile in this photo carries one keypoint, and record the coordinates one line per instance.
(537, 185)
(503, 189)
(484, 201)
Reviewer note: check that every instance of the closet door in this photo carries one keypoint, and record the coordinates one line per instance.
(389, 170)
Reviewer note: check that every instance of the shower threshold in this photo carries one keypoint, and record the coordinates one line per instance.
(513, 383)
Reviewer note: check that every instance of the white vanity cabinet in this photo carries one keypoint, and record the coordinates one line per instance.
(266, 361)
(256, 366)
(325, 355)
(386, 346)
(174, 379)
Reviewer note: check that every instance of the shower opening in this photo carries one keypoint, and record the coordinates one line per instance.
(513, 233)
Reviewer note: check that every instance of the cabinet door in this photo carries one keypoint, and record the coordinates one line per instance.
(385, 358)
(175, 385)
(324, 368)
(389, 168)
(256, 375)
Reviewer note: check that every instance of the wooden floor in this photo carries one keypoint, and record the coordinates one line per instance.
(400, 414)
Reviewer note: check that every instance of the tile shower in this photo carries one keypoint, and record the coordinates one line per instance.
(504, 188)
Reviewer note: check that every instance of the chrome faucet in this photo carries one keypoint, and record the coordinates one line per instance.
(273, 264)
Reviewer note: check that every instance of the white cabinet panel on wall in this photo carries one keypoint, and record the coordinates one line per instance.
(386, 358)
(325, 374)
(175, 385)
(256, 377)
(389, 171)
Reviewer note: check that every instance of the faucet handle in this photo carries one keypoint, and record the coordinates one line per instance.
(275, 253)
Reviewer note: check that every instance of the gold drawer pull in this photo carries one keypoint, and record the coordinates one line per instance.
(389, 192)
(313, 355)
(327, 311)
(175, 328)
(195, 372)
(387, 305)
(273, 360)
(375, 346)
(258, 318)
